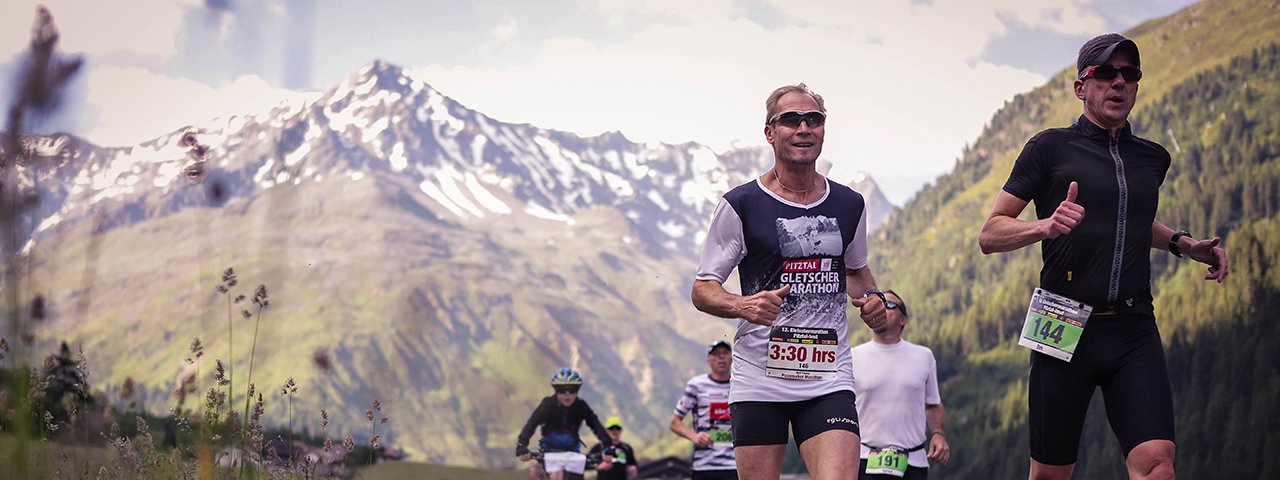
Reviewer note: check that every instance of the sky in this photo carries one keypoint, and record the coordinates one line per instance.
(907, 83)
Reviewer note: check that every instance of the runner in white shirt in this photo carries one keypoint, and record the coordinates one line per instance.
(896, 382)
(799, 243)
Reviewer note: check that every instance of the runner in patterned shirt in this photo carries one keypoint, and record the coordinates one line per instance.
(799, 243)
(707, 397)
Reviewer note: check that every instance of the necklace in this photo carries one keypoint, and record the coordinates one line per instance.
(785, 187)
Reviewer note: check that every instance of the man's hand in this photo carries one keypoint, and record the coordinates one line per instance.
(939, 449)
(763, 307)
(605, 463)
(702, 440)
(1208, 253)
(1067, 217)
(873, 312)
(524, 457)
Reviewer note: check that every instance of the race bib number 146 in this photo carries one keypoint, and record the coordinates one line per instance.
(802, 353)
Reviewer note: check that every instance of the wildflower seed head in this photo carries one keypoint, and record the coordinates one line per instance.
(348, 443)
(195, 171)
(385, 420)
(324, 418)
(220, 373)
(239, 298)
(196, 347)
(246, 314)
(260, 297)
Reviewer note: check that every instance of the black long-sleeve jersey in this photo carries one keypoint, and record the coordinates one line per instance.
(560, 425)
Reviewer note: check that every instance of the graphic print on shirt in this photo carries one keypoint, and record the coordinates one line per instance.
(811, 247)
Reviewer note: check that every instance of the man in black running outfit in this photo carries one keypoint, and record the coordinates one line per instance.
(799, 243)
(1098, 166)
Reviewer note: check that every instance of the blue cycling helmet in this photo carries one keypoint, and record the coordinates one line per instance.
(566, 376)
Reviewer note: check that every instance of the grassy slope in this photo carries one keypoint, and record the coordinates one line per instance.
(452, 330)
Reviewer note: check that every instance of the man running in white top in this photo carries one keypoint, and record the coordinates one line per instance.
(799, 242)
(896, 382)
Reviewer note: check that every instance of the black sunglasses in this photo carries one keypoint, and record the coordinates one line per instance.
(792, 118)
(1109, 72)
(567, 389)
(890, 304)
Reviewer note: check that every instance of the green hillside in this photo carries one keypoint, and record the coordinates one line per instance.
(1209, 94)
(454, 330)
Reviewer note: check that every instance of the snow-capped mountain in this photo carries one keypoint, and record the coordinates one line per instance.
(446, 260)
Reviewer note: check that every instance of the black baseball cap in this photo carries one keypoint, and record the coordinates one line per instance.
(717, 344)
(1098, 50)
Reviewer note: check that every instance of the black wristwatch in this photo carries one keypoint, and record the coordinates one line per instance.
(1173, 242)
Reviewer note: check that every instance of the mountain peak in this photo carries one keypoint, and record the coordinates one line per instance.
(380, 75)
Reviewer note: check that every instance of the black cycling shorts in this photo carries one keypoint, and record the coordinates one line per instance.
(765, 423)
(1122, 354)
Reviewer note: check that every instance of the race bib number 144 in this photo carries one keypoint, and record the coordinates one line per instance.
(1054, 324)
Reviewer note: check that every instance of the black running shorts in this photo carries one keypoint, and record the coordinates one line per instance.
(765, 423)
(1122, 354)
(714, 475)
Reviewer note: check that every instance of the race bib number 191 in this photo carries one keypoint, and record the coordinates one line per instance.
(1054, 324)
(887, 461)
(802, 353)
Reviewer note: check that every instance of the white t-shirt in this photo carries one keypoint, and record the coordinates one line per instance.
(760, 233)
(893, 383)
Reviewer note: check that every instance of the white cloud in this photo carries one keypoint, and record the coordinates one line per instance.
(906, 103)
(508, 29)
(619, 11)
(145, 27)
(137, 105)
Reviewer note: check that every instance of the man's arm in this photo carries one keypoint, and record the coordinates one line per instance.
(857, 283)
(678, 426)
(1203, 251)
(709, 296)
(939, 449)
(1004, 232)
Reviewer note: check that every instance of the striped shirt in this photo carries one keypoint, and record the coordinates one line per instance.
(708, 399)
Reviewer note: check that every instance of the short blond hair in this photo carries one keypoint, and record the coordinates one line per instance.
(772, 102)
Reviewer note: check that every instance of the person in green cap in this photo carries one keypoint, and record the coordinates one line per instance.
(623, 466)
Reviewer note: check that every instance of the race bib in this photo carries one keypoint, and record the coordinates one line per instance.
(1054, 324)
(721, 436)
(802, 353)
(887, 461)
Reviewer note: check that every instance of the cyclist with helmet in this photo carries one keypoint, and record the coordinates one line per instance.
(561, 416)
